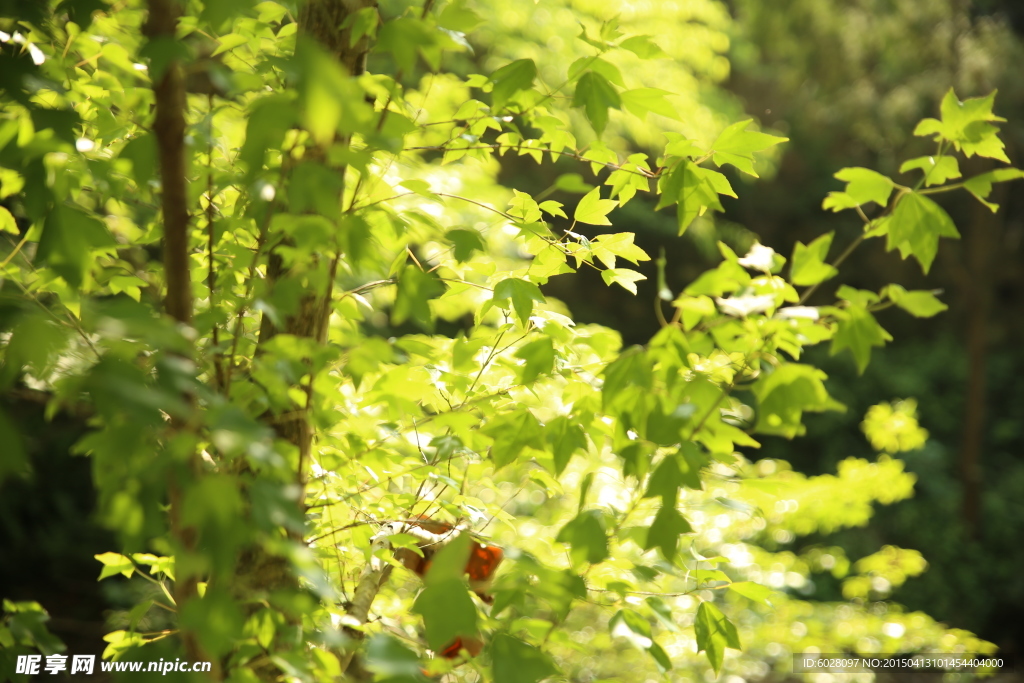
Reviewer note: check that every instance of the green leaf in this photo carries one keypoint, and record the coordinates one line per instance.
(666, 479)
(692, 462)
(593, 210)
(664, 533)
(967, 125)
(81, 11)
(660, 657)
(631, 625)
(540, 359)
(314, 188)
(466, 242)
(642, 101)
(522, 295)
(808, 265)
(623, 276)
(692, 188)
(786, 394)
(862, 186)
(447, 610)
(269, 120)
(114, 564)
(586, 534)
(918, 303)
(643, 47)
(517, 662)
(752, 591)
(450, 562)
(937, 170)
(7, 222)
(364, 22)
(510, 79)
(981, 185)
(387, 657)
(512, 433)
(36, 343)
(415, 290)
(63, 122)
(565, 437)
(736, 145)
(457, 16)
(552, 208)
(403, 38)
(68, 240)
(607, 247)
(27, 624)
(523, 207)
(597, 65)
(664, 426)
(332, 101)
(631, 368)
(714, 633)
(916, 226)
(596, 95)
(216, 12)
(229, 42)
(858, 331)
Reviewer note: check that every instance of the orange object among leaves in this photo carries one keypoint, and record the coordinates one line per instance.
(483, 561)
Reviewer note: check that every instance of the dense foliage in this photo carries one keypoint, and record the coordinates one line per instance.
(264, 249)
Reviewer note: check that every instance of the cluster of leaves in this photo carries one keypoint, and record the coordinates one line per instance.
(609, 474)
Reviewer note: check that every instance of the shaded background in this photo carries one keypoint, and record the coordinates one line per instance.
(847, 81)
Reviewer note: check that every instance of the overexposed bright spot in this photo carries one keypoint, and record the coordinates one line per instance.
(742, 306)
(140, 67)
(84, 145)
(893, 629)
(267, 192)
(37, 55)
(432, 210)
(809, 312)
(758, 258)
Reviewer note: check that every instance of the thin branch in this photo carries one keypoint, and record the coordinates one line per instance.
(17, 250)
(571, 155)
(211, 275)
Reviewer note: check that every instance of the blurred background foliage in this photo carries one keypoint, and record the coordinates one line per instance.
(846, 81)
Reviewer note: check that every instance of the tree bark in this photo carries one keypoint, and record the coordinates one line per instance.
(169, 130)
(981, 244)
(319, 20)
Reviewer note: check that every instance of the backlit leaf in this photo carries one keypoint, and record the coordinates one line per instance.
(596, 95)
(714, 634)
(916, 226)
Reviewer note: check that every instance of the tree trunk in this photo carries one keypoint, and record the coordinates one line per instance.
(982, 238)
(320, 20)
(169, 130)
